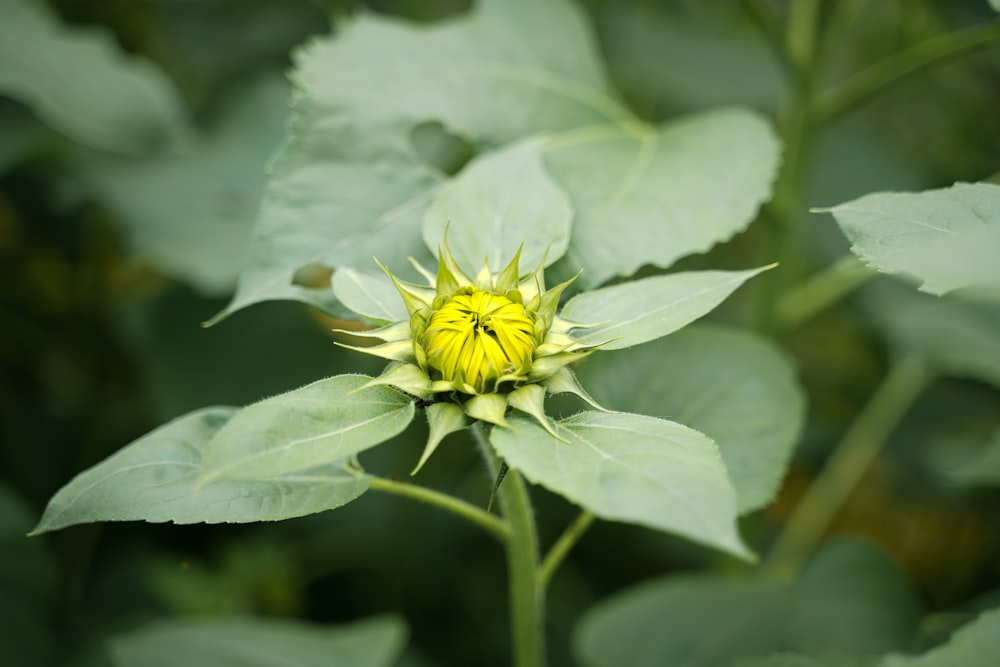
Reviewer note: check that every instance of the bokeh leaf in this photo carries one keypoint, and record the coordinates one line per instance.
(500, 201)
(733, 386)
(982, 469)
(643, 310)
(316, 425)
(850, 601)
(156, 479)
(630, 468)
(949, 239)
(652, 196)
(83, 85)
(974, 645)
(251, 642)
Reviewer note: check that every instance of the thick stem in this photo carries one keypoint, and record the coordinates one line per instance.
(557, 554)
(845, 468)
(496, 527)
(527, 596)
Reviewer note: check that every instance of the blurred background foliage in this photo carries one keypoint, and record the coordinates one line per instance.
(113, 252)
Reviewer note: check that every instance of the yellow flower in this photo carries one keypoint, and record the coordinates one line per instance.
(479, 346)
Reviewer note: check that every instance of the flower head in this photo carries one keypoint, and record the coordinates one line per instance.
(476, 347)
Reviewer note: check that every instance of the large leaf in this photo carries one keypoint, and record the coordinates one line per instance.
(497, 73)
(652, 196)
(949, 239)
(83, 85)
(349, 185)
(851, 601)
(316, 425)
(499, 202)
(959, 338)
(630, 468)
(251, 642)
(974, 645)
(733, 386)
(646, 309)
(370, 295)
(191, 215)
(156, 479)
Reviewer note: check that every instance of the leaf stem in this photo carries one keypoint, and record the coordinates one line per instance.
(558, 552)
(527, 594)
(850, 460)
(820, 291)
(869, 82)
(491, 524)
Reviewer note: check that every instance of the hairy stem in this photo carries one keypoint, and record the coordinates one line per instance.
(850, 460)
(557, 554)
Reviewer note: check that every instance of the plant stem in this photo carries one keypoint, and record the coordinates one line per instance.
(493, 525)
(527, 594)
(876, 78)
(820, 291)
(557, 554)
(850, 460)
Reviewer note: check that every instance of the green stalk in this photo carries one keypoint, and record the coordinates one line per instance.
(557, 554)
(847, 465)
(820, 291)
(491, 524)
(527, 595)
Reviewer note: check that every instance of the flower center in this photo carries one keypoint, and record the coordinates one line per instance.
(477, 338)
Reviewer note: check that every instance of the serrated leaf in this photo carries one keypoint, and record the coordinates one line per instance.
(191, 215)
(83, 85)
(496, 73)
(316, 425)
(643, 310)
(372, 296)
(733, 386)
(974, 645)
(956, 337)
(850, 601)
(500, 201)
(949, 239)
(653, 196)
(630, 468)
(156, 479)
(259, 642)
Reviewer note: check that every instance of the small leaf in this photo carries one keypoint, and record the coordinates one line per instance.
(530, 399)
(736, 388)
(630, 468)
(974, 645)
(259, 642)
(83, 85)
(372, 296)
(489, 408)
(500, 201)
(312, 426)
(949, 239)
(155, 479)
(646, 309)
(653, 196)
(443, 419)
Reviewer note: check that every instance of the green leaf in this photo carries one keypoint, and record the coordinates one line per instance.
(653, 196)
(500, 201)
(974, 645)
(799, 660)
(957, 337)
(733, 386)
(630, 468)
(646, 309)
(316, 425)
(156, 479)
(995, 4)
(83, 85)
(850, 601)
(252, 642)
(496, 73)
(948, 239)
(373, 296)
(980, 470)
(191, 215)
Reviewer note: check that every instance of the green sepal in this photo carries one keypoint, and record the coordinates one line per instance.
(530, 399)
(549, 302)
(405, 377)
(390, 333)
(401, 350)
(446, 284)
(415, 297)
(422, 270)
(508, 279)
(543, 367)
(564, 381)
(488, 408)
(443, 419)
(533, 286)
(452, 265)
(484, 279)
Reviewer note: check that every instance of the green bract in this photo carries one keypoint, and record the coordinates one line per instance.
(473, 347)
